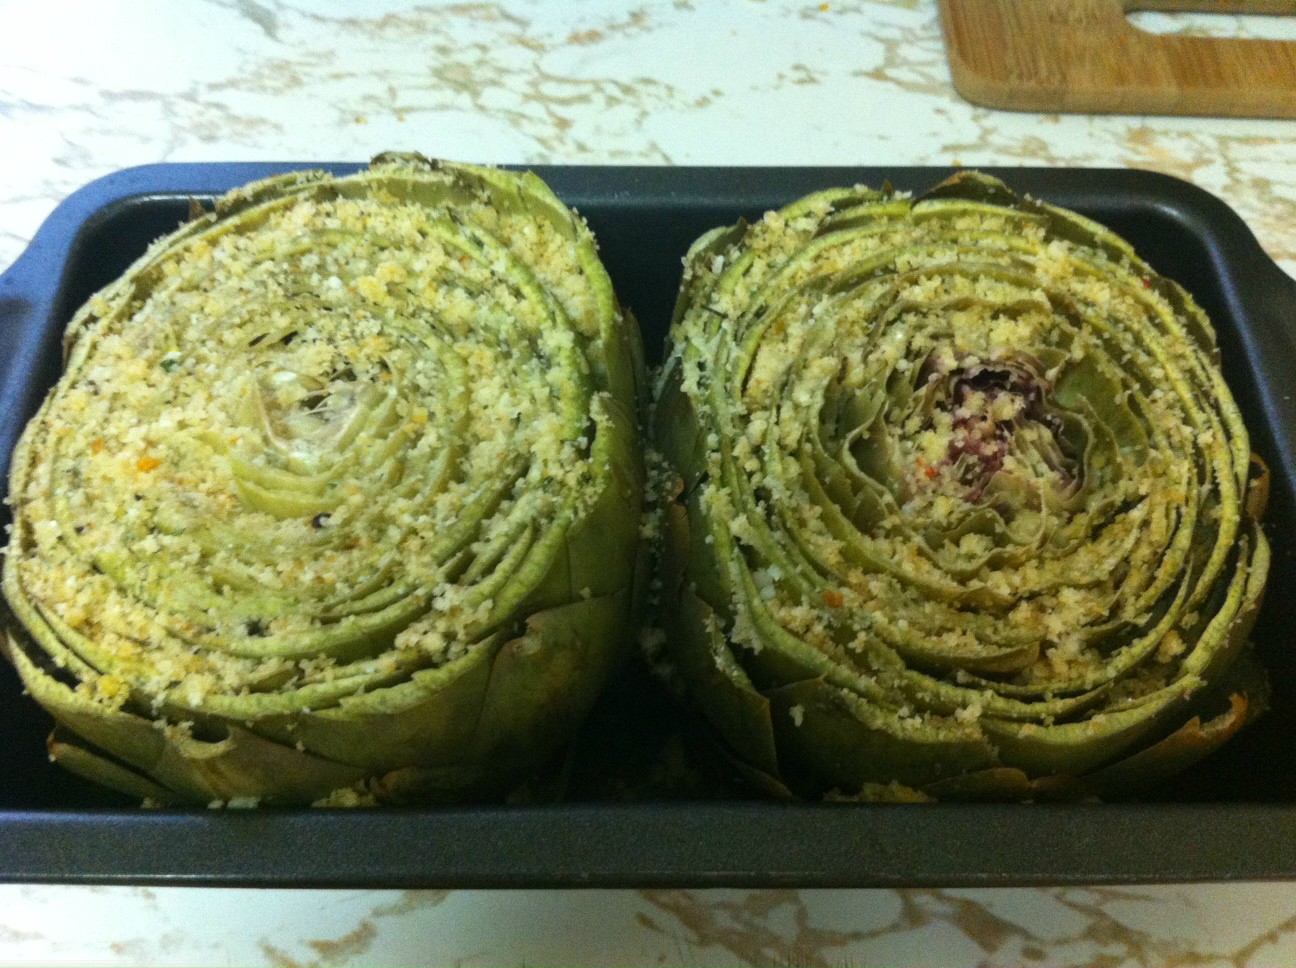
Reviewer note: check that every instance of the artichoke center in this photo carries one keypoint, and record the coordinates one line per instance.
(984, 422)
(305, 414)
(989, 404)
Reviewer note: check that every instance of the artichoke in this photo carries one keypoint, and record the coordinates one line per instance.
(340, 490)
(960, 505)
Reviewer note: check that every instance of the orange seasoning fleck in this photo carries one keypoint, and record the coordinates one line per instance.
(832, 599)
(147, 463)
(97, 445)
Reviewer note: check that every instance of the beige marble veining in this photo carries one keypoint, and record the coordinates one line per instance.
(86, 89)
(1203, 926)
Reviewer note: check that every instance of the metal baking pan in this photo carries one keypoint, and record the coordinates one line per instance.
(1233, 817)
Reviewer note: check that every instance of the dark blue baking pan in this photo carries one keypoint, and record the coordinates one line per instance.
(1233, 817)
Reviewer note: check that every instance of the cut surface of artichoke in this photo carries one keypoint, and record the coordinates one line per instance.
(341, 485)
(961, 502)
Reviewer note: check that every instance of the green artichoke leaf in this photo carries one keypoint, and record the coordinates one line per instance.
(541, 685)
(1229, 705)
(169, 761)
(69, 752)
(829, 734)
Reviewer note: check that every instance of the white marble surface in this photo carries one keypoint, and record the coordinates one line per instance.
(86, 88)
(1151, 927)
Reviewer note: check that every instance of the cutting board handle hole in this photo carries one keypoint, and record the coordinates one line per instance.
(1256, 26)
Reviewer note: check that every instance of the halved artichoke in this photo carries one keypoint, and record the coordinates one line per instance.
(340, 489)
(962, 507)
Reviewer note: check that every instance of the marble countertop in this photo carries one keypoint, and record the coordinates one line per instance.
(86, 89)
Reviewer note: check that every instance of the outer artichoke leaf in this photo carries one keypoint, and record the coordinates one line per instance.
(282, 504)
(709, 546)
(429, 718)
(543, 682)
(241, 764)
(698, 274)
(601, 544)
(1074, 227)
(1186, 309)
(677, 430)
(628, 375)
(718, 683)
(829, 738)
(233, 763)
(1189, 744)
(266, 190)
(863, 210)
(541, 686)
(350, 638)
(1225, 637)
(1079, 747)
(72, 753)
(925, 691)
(729, 765)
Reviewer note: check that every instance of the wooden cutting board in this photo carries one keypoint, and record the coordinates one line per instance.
(1084, 55)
